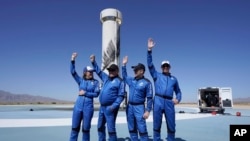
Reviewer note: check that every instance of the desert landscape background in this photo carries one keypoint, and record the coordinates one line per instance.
(8, 98)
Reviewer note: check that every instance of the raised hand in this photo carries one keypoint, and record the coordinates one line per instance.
(151, 44)
(92, 58)
(125, 60)
(73, 56)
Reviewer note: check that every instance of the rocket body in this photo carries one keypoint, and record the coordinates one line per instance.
(111, 20)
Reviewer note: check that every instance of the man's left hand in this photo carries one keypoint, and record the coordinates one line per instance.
(175, 101)
(146, 115)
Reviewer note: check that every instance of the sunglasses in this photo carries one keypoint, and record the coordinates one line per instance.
(111, 70)
(165, 65)
(136, 70)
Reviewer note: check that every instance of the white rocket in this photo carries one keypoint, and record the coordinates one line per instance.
(111, 20)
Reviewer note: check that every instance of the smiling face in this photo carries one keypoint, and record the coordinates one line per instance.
(139, 70)
(113, 70)
(165, 68)
(88, 75)
(113, 73)
(138, 73)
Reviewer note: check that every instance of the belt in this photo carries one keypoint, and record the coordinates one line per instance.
(132, 103)
(165, 97)
(106, 104)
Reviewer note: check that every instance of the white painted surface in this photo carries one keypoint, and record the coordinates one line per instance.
(67, 121)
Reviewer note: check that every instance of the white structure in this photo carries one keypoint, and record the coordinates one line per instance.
(111, 20)
(214, 99)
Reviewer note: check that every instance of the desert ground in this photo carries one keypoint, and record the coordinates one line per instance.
(235, 105)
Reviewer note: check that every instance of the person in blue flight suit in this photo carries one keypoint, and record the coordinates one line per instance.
(140, 90)
(111, 95)
(164, 101)
(83, 108)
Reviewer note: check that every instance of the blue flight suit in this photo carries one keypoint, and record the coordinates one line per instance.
(83, 109)
(165, 86)
(111, 96)
(139, 91)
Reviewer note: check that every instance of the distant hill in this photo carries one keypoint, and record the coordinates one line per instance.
(241, 100)
(10, 98)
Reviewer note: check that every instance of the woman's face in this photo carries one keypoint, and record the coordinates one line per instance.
(89, 75)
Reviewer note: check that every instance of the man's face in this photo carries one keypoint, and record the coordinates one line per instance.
(113, 73)
(138, 72)
(165, 68)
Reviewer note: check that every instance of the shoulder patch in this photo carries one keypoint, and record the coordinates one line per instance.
(172, 77)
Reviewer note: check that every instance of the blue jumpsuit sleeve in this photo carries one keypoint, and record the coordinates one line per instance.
(151, 66)
(121, 94)
(103, 76)
(74, 73)
(96, 91)
(178, 91)
(125, 75)
(149, 97)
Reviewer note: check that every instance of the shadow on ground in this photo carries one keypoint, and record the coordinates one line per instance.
(179, 139)
(128, 139)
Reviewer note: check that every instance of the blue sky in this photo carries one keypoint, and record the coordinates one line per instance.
(206, 41)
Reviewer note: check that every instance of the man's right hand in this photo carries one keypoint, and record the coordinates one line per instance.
(125, 60)
(151, 44)
(73, 56)
(92, 58)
